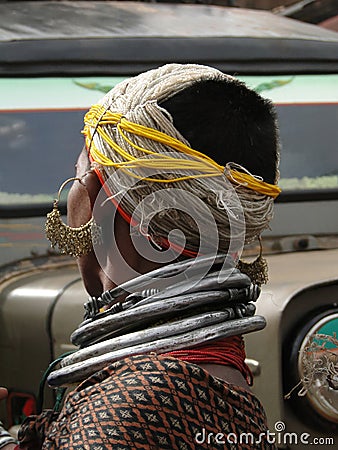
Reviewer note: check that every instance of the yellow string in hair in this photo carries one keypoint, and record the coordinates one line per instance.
(205, 166)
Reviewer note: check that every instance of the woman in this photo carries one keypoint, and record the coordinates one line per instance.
(171, 149)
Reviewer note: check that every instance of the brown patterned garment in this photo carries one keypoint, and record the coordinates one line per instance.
(152, 402)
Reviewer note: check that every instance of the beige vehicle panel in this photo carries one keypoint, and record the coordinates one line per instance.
(289, 274)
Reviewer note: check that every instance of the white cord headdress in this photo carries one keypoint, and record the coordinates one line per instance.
(137, 101)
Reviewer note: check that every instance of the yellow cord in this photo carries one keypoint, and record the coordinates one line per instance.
(97, 117)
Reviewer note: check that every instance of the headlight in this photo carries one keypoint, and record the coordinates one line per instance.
(318, 366)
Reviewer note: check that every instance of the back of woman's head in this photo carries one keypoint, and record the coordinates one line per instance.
(228, 122)
(169, 119)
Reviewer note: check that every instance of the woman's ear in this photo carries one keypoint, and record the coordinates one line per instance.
(83, 193)
(93, 186)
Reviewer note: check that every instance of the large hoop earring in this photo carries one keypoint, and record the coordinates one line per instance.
(256, 270)
(70, 240)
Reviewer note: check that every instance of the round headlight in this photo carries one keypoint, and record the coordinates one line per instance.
(318, 366)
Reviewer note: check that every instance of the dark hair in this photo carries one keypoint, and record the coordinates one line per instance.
(230, 123)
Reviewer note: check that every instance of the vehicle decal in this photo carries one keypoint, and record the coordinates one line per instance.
(81, 92)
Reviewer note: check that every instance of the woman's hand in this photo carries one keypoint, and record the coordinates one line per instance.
(6, 442)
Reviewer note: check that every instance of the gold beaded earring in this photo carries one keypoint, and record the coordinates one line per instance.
(70, 240)
(256, 270)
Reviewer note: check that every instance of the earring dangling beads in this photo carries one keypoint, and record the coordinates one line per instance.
(70, 240)
(256, 270)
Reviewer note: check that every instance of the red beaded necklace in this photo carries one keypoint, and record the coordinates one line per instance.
(227, 352)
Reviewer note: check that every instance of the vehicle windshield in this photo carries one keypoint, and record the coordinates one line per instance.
(307, 108)
(41, 121)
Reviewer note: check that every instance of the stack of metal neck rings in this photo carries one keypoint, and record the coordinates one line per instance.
(179, 306)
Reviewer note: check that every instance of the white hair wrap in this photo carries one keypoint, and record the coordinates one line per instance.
(237, 212)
